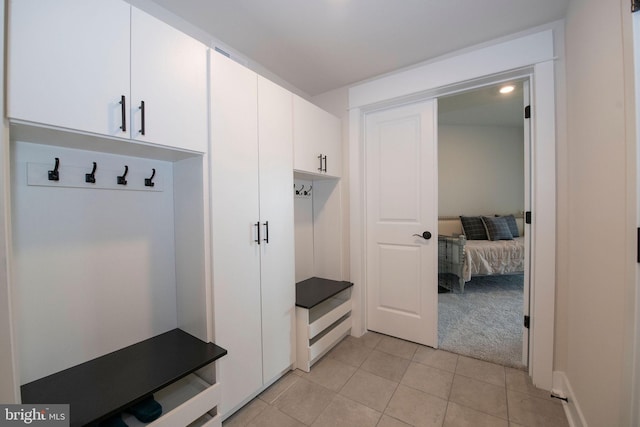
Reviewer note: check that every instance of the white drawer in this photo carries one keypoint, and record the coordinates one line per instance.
(326, 342)
(339, 309)
(207, 421)
(183, 402)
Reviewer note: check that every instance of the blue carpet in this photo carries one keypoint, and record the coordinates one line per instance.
(485, 322)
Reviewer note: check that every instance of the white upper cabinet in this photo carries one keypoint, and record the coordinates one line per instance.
(87, 65)
(316, 140)
(168, 77)
(69, 64)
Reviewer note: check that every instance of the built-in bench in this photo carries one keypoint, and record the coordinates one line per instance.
(323, 318)
(163, 366)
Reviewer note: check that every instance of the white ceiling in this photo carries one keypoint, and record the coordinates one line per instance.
(483, 107)
(320, 45)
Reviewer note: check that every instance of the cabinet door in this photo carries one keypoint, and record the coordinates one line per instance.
(168, 74)
(234, 213)
(316, 133)
(275, 137)
(69, 63)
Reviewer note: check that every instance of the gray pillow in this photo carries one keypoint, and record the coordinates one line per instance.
(473, 228)
(513, 225)
(497, 228)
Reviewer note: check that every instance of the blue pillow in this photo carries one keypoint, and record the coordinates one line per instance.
(497, 228)
(473, 228)
(513, 225)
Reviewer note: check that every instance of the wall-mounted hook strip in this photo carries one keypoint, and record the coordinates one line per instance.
(148, 182)
(91, 177)
(121, 179)
(53, 174)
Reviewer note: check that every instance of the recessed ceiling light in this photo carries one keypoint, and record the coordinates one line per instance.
(507, 89)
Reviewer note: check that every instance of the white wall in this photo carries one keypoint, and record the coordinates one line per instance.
(9, 392)
(337, 103)
(94, 269)
(599, 235)
(480, 170)
(303, 230)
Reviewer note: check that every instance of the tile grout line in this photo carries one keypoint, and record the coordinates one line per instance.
(358, 367)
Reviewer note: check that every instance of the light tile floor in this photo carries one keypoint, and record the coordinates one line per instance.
(376, 380)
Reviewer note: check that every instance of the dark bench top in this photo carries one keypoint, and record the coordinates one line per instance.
(315, 290)
(111, 383)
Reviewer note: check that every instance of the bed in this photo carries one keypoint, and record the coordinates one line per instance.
(460, 258)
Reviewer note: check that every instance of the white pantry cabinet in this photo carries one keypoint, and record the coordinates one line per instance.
(88, 65)
(278, 249)
(316, 139)
(252, 229)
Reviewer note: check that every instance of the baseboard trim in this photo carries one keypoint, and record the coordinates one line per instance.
(562, 388)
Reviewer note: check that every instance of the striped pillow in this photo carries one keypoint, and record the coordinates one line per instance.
(473, 228)
(497, 228)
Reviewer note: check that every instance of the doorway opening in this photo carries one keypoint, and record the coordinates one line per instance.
(483, 251)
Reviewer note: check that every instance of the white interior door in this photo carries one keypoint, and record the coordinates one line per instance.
(401, 194)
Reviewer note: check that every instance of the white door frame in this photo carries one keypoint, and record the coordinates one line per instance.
(531, 54)
(634, 201)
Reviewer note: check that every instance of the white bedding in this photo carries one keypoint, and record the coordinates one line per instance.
(486, 257)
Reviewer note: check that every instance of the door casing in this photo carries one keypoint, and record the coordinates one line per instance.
(529, 56)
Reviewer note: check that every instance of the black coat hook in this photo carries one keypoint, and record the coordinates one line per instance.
(308, 192)
(53, 174)
(121, 179)
(91, 177)
(148, 182)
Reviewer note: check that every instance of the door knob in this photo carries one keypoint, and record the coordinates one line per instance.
(426, 235)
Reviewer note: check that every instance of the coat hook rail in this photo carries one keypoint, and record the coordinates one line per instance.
(84, 173)
(91, 177)
(54, 175)
(301, 191)
(148, 182)
(122, 179)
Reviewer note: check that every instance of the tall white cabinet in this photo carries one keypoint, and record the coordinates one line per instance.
(251, 158)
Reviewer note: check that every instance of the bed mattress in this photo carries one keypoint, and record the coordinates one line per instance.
(486, 257)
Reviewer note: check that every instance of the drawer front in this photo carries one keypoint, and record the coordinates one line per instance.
(328, 319)
(325, 343)
(214, 422)
(192, 409)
